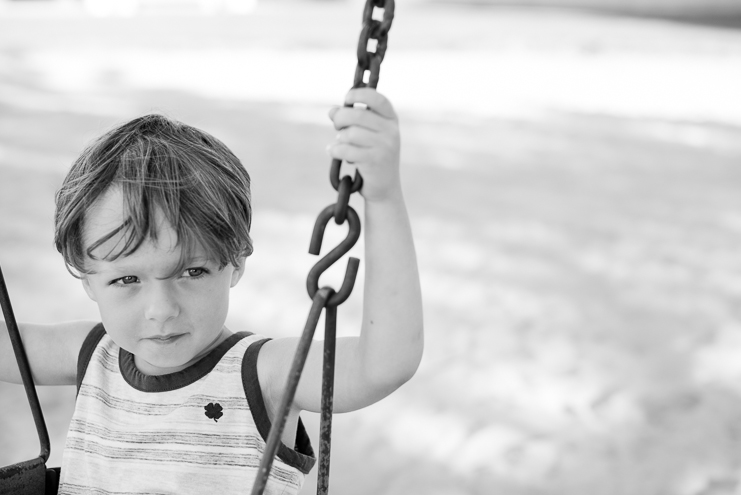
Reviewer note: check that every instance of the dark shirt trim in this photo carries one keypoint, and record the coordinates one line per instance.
(179, 379)
(86, 352)
(302, 456)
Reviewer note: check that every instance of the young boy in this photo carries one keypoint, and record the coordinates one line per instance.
(154, 219)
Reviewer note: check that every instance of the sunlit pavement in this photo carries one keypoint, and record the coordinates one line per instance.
(574, 186)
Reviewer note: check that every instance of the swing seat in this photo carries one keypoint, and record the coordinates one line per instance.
(30, 477)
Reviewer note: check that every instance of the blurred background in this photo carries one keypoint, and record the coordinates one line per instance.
(573, 173)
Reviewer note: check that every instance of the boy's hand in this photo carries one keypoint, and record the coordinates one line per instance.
(369, 139)
(389, 348)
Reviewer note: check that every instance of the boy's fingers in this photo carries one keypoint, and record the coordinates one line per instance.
(347, 152)
(345, 117)
(373, 99)
(358, 136)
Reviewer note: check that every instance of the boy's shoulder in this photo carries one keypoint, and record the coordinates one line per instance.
(53, 350)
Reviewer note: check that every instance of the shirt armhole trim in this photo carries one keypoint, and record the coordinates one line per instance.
(302, 456)
(86, 352)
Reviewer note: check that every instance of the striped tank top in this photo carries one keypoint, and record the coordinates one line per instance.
(199, 431)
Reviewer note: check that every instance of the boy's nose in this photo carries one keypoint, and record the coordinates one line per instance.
(161, 304)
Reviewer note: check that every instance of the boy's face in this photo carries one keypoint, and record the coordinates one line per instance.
(167, 323)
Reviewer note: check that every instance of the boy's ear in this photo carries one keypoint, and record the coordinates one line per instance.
(88, 289)
(238, 272)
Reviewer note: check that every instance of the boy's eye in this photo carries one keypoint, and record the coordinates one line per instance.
(128, 279)
(195, 272)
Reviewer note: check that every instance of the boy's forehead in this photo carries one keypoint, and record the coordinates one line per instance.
(105, 215)
(109, 213)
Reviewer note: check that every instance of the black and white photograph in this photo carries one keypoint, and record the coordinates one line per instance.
(370, 247)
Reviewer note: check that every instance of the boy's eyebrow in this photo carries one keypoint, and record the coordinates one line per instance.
(124, 267)
(198, 260)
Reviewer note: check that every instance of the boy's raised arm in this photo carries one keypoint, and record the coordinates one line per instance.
(389, 348)
(52, 352)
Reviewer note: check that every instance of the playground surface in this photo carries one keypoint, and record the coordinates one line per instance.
(574, 184)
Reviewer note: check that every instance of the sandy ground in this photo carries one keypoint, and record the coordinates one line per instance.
(573, 182)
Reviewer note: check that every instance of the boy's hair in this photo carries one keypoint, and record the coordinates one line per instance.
(198, 184)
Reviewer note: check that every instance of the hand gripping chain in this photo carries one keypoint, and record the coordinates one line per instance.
(326, 298)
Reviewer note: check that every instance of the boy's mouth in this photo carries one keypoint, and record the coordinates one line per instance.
(166, 339)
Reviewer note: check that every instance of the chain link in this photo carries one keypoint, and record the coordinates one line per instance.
(373, 30)
(368, 62)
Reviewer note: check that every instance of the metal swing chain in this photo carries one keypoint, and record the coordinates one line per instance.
(374, 32)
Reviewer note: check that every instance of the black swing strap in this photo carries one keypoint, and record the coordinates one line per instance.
(371, 50)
